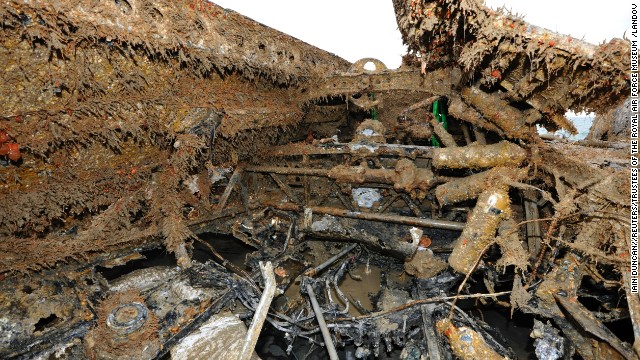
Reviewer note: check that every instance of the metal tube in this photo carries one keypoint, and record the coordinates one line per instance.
(317, 269)
(331, 349)
(282, 170)
(412, 151)
(233, 181)
(261, 311)
(491, 208)
(470, 187)
(430, 336)
(503, 153)
(396, 219)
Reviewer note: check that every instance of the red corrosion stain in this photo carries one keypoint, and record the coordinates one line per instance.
(425, 241)
(4, 137)
(14, 152)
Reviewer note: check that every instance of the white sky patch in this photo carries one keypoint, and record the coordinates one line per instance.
(351, 29)
(356, 29)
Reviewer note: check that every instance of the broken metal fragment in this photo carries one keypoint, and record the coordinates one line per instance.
(534, 233)
(549, 344)
(390, 239)
(434, 348)
(592, 325)
(513, 250)
(221, 338)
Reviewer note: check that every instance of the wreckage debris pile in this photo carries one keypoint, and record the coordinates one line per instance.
(369, 213)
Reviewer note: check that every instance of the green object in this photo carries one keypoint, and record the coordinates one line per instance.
(439, 114)
(374, 112)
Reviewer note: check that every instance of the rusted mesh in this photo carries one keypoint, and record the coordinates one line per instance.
(112, 104)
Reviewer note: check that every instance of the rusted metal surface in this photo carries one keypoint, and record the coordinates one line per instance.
(472, 186)
(111, 94)
(552, 72)
(491, 208)
(466, 343)
(402, 150)
(442, 224)
(479, 156)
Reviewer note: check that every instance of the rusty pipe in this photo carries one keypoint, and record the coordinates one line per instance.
(395, 219)
(282, 170)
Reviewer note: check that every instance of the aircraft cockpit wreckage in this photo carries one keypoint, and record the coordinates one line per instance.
(178, 181)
